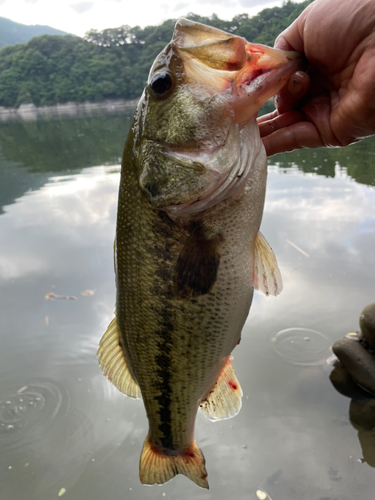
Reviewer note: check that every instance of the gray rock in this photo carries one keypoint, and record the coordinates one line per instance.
(367, 324)
(345, 384)
(357, 360)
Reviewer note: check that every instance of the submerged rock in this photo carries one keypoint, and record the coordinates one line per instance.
(362, 418)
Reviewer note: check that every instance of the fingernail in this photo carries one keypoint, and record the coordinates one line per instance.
(295, 86)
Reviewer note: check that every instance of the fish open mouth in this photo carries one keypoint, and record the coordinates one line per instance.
(257, 74)
(251, 72)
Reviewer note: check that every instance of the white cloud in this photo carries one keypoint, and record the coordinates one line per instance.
(180, 6)
(82, 7)
(256, 3)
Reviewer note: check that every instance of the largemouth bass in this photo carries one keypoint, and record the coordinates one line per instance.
(188, 252)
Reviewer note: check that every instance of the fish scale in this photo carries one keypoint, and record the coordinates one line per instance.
(188, 251)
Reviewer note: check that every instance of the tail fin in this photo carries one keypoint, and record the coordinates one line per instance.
(157, 467)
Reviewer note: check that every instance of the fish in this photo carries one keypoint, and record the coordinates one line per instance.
(188, 252)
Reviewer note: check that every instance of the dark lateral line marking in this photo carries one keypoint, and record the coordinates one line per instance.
(163, 377)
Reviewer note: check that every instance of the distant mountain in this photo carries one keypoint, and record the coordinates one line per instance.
(12, 33)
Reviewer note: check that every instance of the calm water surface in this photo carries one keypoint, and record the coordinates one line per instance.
(64, 430)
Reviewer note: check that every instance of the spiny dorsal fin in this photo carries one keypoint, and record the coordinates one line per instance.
(113, 364)
(266, 272)
(157, 467)
(224, 401)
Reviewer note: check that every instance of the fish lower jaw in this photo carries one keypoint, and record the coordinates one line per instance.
(252, 83)
(253, 92)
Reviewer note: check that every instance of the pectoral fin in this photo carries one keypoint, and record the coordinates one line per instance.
(224, 401)
(266, 273)
(197, 265)
(112, 362)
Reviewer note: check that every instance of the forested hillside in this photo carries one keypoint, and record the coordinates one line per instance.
(113, 63)
(12, 33)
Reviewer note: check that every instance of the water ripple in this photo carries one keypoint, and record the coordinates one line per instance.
(30, 411)
(301, 346)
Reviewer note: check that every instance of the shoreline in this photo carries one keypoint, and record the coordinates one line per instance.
(30, 112)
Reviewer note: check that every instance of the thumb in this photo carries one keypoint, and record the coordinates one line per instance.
(292, 37)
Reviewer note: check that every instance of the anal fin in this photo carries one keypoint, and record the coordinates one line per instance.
(112, 362)
(224, 401)
(158, 467)
(266, 272)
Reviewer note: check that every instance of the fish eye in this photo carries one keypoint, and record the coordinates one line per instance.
(161, 83)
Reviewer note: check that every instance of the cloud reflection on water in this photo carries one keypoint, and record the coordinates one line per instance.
(78, 208)
(333, 220)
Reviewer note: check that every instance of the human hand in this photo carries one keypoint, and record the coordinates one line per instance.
(333, 103)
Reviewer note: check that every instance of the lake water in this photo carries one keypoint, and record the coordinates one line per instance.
(66, 432)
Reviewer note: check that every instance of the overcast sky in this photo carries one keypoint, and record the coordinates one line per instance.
(77, 17)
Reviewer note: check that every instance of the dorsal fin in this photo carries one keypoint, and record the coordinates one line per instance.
(224, 401)
(266, 273)
(112, 362)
